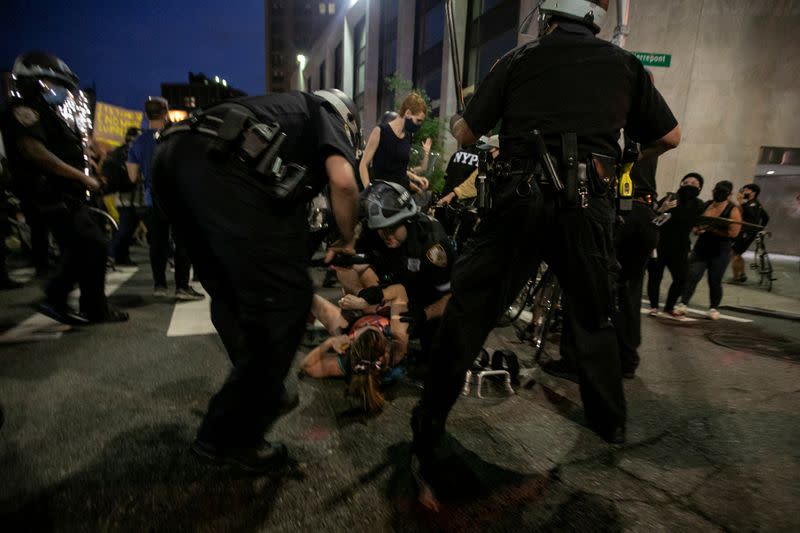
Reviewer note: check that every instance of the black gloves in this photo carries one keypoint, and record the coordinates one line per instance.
(415, 317)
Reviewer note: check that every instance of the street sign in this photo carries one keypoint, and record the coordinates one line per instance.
(649, 59)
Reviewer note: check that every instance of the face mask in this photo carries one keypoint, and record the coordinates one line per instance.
(56, 95)
(688, 193)
(720, 195)
(411, 127)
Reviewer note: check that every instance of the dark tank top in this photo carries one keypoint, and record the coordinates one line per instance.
(391, 158)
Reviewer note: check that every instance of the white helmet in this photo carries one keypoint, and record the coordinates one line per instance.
(589, 12)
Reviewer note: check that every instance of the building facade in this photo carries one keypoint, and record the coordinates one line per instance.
(729, 69)
(372, 40)
(291, 28)
(199, 92)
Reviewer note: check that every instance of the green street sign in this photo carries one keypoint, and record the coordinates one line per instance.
(649, 59)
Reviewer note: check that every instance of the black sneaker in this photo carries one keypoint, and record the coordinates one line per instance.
(64, 314)
(560, 369)
(188, 295)
(263, 458)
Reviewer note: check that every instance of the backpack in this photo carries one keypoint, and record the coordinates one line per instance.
(115, 171)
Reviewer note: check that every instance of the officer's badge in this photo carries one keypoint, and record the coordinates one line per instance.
(437, 255)
(413, 264)
(26, 116)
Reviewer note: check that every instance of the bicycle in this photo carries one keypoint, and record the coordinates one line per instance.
(536, 305)
(761, 261)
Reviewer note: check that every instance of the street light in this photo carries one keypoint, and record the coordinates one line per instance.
(301, 60)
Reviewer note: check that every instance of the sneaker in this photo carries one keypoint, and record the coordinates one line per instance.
(262, 458)
(653, 311)
(680, 310)
(188, 295)
(713, 314)
(64, 314)
(160, 292)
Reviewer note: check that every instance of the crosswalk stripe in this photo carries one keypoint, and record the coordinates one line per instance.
(191, 318)
(705, 313)
(40, 327)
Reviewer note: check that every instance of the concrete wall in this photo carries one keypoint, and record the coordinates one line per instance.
(734, 81)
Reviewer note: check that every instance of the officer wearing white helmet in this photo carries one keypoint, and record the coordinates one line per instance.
(235, 181)
(409, 248)
(561, 101)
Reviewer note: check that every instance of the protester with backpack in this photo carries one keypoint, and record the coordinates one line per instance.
(129, 200)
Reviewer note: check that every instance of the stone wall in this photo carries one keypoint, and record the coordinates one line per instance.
(734, 81)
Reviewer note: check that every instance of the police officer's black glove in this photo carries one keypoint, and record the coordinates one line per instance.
(415, 317)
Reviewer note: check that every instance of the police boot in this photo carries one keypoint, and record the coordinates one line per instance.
(264, 457)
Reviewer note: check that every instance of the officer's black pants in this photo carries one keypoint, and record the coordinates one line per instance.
(505, 249)
(252, 262)
(158, 231)
(40, 236)
(635, 239)
(677, 261)
(82, 244)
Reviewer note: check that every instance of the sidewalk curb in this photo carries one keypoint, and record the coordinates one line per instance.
(762, 312)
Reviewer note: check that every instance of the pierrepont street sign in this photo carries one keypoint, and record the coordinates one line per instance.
(649, 59)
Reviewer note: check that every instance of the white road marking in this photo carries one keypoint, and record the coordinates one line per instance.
(705, 314)
(40, 327)
(191, 318)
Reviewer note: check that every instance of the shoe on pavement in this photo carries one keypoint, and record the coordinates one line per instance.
(680, 310)
(160, 292)
(64, 314)
(653, 311)
(615, 435)
(713, 314)
(560, 369)
(261, 458)
(188, 295)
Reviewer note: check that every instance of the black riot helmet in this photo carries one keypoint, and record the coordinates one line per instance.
(347, 110)
(40, 65)
(387, 204)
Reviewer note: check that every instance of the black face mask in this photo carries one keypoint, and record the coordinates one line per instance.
(687, 193)
(411, 127)
(720, 195)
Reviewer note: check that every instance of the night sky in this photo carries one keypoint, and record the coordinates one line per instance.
(127, 48)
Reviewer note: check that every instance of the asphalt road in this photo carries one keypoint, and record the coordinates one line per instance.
(99, 421)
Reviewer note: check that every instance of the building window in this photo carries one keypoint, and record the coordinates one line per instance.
(492, 33)
(360, 63)
(322, 8)
(388, 54)
(331, 8)
(429, 48)
(322, 75)
(338, 66)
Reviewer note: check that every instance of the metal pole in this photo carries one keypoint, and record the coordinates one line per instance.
(454, 55)
(622, 30)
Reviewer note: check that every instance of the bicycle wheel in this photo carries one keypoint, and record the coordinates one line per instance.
(543, 310)
(106, 221)
(518, 305)
(766, 271)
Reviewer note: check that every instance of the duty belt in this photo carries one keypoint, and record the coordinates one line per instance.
(238, 133)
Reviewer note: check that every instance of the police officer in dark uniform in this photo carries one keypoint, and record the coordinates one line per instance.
(49, 150)
(635, 239)
(235, 181)
(460, 167)
(578, 91)
(409, 248)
